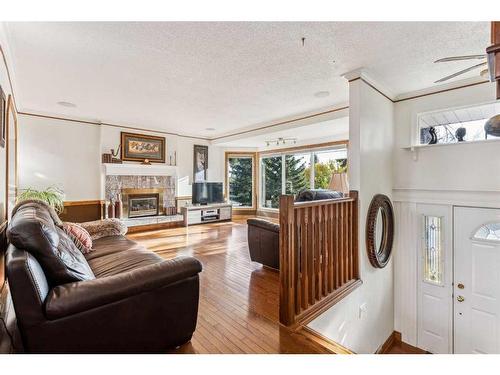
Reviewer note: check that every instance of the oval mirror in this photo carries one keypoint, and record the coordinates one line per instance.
(380, 230)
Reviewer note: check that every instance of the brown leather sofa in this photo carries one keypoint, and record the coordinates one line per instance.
(119, 298)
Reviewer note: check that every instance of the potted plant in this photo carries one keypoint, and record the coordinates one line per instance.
(54, 197)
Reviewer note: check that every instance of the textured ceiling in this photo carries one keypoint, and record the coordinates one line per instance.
(185, 77)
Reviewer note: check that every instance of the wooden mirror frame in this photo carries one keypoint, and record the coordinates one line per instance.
(379, 256)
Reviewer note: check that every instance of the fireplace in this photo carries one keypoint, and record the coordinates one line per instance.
(140, 205)
(142, 202)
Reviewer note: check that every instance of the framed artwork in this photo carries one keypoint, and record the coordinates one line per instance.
(3, 117)
(138, 147)
(200, 163)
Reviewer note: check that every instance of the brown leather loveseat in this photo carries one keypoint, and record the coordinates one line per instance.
(119, 298)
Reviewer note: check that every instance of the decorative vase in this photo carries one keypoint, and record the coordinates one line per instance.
(119, 207)
(111, 210)
(460, 134)
(492, 127)
(434, 138)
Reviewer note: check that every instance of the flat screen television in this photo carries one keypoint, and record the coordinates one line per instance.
(207, 193)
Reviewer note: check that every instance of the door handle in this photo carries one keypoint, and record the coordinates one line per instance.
(460, 299)
(460, 286)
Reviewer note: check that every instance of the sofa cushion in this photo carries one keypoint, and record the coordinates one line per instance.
(117, 254)
(32, 229)
(104, 228)
(80, 237)
(317, 194)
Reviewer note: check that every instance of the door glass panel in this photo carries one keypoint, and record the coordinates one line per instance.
(489, 232)
(271, 181)
(240, 176)
(433, 249)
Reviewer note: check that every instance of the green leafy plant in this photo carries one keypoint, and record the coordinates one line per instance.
(54, 197)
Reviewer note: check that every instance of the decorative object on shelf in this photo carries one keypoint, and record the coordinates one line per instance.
(114, 155)
(282, 141)
(460, 134)
(432, 133)
(200, 163)
(3, 111)
(146, 162)
(119, 207)
(116, 161)
(106, 158)
(380, 230)
(137, 147)
(111, 209)
(53, 196)
(492, 127)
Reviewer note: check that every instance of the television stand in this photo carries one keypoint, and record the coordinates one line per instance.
(201, 214)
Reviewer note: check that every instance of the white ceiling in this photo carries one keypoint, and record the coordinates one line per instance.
(318, 132)
(185, 77)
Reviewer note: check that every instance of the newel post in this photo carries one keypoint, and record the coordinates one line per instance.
(287, 260)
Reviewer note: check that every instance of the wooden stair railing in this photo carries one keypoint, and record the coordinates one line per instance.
(318, 255)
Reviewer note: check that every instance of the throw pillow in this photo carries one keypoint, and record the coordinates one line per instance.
(104, 228)
(79, 236)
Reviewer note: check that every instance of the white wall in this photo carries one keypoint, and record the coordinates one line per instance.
(461, 174)
(474, 166)
(370, 163)
(67, 154)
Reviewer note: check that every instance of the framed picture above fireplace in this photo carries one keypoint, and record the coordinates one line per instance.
(138, 147)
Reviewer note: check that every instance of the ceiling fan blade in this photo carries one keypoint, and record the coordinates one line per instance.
(460, 72)
(460, 58)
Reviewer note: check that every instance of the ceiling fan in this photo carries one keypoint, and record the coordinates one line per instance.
(482, 58)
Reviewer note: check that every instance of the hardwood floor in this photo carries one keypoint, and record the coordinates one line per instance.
(238, 311)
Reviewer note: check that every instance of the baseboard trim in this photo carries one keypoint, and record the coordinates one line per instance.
(318, 338)
(395, 340)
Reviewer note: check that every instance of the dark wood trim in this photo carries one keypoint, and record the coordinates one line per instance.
(10, 109)
(325, 342)
(243, 212)
(162, 140)
(82, 203)
(386, 347)
(319, 308)
(110, 125)
(420, 95)
(394, 340)
(305, 147)
(280, 123)
(266, 213)
(8, 77)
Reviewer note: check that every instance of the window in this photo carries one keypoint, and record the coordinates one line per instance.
(489, 232)
(271, 181)
(433, 249)
(471, 122)
(240, 180)
(297, 172)
(290, 173)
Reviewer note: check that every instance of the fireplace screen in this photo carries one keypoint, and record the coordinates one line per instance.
(143, 205)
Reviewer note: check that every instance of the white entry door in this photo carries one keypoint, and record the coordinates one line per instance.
(477, 280)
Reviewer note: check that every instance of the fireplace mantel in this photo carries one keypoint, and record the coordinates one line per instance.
(139, 170)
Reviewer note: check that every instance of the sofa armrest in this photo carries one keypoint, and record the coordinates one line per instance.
(264, 224)
(76, 297)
